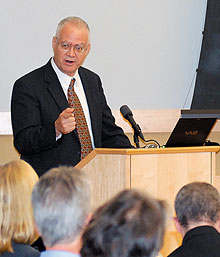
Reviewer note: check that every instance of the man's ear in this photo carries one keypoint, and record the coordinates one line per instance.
(36, 229)
(177, 225)
(88, 218)
(217, 224)
(88, 49)
(36, 232)
(54, 40)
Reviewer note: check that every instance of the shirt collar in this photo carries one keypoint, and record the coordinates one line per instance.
(63, 78)
(53, 253)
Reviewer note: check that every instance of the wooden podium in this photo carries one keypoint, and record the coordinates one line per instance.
(160, 171)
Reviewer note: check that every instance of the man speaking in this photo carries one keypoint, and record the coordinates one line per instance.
(59, 111)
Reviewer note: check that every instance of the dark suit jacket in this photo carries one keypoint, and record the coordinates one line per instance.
(202, 241)
(37, 101)
(21, 250)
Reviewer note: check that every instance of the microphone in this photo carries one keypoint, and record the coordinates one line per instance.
(128, 115)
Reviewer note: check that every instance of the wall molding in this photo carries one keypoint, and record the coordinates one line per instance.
(5, 123)
(150, 121)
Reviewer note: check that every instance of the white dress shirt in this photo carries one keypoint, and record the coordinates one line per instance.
(78, 87)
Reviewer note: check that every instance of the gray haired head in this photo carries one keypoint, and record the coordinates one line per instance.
(61, 204)
(197, 202)
(76, 21)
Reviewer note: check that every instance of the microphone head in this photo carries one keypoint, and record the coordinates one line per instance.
(125, 111)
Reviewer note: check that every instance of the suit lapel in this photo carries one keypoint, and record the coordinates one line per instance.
(55, 87)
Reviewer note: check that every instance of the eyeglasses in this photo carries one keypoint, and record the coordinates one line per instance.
(78, 49)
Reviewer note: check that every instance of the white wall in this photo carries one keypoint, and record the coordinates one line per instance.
(146, 51)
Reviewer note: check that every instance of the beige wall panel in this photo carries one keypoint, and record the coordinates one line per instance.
(7, 150)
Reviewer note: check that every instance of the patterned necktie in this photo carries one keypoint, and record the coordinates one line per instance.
(81, 124)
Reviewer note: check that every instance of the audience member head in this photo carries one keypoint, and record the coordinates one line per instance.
(61, 203)
(197, 204)
(131, 224)
(17, 179)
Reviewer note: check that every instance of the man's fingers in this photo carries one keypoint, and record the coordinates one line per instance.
(68, 110)
(66, 121)
(68, 115)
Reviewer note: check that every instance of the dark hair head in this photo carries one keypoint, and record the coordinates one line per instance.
(131, 224)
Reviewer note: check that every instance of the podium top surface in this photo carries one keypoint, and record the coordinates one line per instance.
(143, 151)
(134, 151)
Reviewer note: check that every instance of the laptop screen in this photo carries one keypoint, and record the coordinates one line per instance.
(191, 132)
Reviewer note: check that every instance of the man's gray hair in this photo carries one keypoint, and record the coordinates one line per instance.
(76, 21)
(61, 203)
(196, 202)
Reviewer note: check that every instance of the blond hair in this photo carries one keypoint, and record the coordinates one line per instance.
(17, 179)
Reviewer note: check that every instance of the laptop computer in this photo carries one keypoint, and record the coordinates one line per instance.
(191, 132)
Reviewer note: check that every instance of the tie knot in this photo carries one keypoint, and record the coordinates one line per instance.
(72, 82)
(71, 85)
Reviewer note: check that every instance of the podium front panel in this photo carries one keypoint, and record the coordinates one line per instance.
(162, 175)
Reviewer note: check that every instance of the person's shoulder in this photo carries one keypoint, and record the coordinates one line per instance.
(34, 74)
(23, 250)
(177, 253)
(31, 252)
(89, 77)
(85, 71)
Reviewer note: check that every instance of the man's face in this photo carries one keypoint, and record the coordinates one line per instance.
(70, 37)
